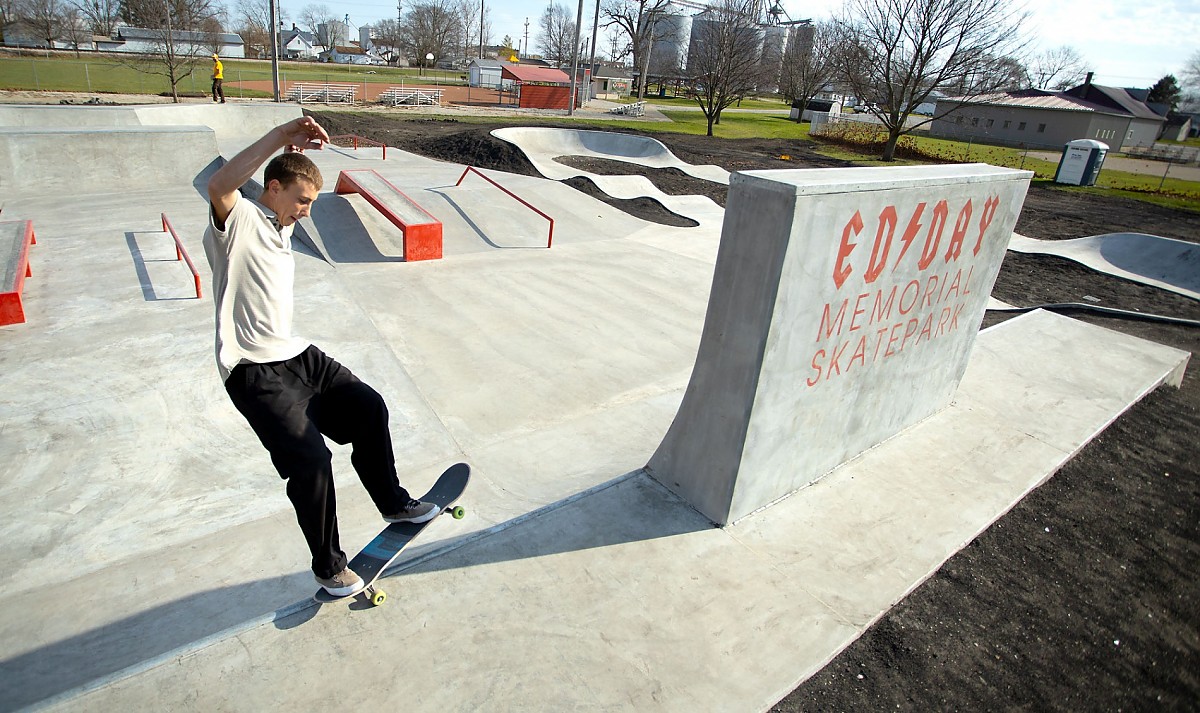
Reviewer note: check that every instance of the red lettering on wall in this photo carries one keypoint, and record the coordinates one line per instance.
(934, 236)
(841, 270)
(985, 219)
(910, 233)
(960, 232)
(887, 223)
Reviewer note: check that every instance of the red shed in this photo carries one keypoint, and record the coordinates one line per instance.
(539, 87)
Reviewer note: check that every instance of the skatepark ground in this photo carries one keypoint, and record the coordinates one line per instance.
(578, 582)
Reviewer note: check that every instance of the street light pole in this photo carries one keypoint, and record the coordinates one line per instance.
(480, 29)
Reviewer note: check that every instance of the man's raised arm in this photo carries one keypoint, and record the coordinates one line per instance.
(302, 133)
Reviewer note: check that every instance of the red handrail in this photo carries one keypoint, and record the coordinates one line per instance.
(181, 252)
(363, 139)
(522, 201)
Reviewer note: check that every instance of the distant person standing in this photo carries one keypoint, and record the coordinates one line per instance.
(218, 73)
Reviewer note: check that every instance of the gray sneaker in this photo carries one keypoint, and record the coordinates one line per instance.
(414, 511)
(342, 584)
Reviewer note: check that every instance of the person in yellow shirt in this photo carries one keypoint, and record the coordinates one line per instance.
(218, 76)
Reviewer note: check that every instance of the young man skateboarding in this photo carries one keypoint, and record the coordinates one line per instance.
(290, 392)
(218, 76)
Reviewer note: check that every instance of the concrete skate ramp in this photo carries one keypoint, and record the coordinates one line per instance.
(42, 116)
(122, 158)
(229, 121)
(542, 145)
(1169, 264)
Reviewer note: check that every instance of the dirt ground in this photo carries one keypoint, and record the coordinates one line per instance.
(1083, 597)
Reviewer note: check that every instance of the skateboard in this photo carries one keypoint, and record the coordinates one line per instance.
(387, 545)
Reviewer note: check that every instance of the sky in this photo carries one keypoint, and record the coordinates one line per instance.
(1127, 43)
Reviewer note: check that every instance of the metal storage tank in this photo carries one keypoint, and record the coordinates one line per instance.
(775, 41)
(668, 52)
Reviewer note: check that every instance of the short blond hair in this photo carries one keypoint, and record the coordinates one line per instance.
(288, 167)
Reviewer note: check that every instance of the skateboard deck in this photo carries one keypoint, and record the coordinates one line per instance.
(387, 545)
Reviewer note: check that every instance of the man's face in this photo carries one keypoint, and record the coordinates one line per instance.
(292, 202)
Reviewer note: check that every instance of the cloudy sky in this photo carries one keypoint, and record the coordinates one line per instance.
(1126, 42)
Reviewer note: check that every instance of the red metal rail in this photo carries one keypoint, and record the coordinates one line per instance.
(522, 201)
(180, 252)
(356, 138)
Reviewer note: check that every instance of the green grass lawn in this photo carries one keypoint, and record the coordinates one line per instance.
(104, 74)
(755, 103)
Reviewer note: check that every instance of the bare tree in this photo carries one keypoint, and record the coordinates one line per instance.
(313, 15)
(808, 65)
(1059, 68)
(431, 27)
(723, 60)
(177, 36)
(10, 16)
(1190, 74)
(44, 18)
(636, 20)
(76, 30)
(254, 24)
(894, 53)
(556, 34)
(101, 15)
(388, 37)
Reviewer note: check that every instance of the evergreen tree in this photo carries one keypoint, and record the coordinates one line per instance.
(1166, 91)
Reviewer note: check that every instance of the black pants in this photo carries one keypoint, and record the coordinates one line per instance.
(218, 90)
(291, 405)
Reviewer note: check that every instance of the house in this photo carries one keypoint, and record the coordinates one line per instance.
(347, 54)
(611, 82)
(144, 41)
(298, 44)
(137, 40)
(1178, 127)
(1035, 117)
(486, 73)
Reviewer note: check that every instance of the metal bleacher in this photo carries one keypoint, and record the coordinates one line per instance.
(634, 109)
(410, 96)
(322, 93)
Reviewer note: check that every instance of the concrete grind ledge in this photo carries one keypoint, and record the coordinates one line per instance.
(624, 597)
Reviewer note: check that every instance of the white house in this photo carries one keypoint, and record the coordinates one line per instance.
(298, 44)
(348, 55)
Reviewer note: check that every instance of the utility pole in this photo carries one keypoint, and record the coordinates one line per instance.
(480, 29)
(275, 48)
(575, 60)
(526, 43)
(396, 38)
(592, 60)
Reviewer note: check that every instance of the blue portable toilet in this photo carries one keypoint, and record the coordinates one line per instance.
(1081, 161)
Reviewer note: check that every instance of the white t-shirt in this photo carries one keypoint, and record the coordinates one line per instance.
(253, 275)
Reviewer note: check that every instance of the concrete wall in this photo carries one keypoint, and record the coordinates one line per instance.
(843, 309)
(229, 121)
(80, 161)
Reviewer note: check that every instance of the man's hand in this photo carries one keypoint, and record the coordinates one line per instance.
(304, 133)
(301, 133)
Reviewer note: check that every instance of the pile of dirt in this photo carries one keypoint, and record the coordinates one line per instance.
(1084, 597)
